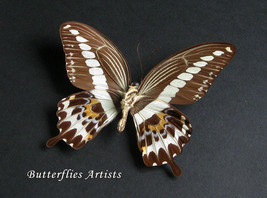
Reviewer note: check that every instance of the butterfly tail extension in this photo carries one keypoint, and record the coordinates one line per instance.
(175, 169)
(162, 132)
(81, 117)
(52, 141)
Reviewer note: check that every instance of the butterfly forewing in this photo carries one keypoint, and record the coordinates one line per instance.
(92, 60)
(185, 77)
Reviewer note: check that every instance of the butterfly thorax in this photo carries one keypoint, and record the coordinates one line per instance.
(130, 98)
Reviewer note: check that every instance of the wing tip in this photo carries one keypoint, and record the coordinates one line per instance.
(68, 24)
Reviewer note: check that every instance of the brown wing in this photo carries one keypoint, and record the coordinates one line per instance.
(81, 117)
(162, 131)
(186, 76)
(183, 78)
(92, 60)
(94, 64)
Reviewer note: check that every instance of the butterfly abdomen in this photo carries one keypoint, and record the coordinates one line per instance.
(127, 103)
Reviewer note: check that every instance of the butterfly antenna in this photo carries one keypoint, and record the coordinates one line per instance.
(140, 62)
(149, 57)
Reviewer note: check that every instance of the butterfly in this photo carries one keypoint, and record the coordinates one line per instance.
(95, 65)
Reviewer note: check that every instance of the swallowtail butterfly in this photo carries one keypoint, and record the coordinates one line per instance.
(95, 65)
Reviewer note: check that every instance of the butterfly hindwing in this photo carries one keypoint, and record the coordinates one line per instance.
(81, 117)
(186, 76)
(162, 131)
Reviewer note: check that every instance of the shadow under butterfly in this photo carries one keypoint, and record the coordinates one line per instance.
(97, 66)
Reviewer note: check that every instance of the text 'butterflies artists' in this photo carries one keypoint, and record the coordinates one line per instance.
(97, 66)
(72, 174)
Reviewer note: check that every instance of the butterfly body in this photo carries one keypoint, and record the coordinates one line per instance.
(127, 103)
(95, 65)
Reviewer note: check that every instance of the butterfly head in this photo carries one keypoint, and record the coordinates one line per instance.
(134, 84)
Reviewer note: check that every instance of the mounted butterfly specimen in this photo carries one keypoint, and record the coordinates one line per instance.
(95, 65)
